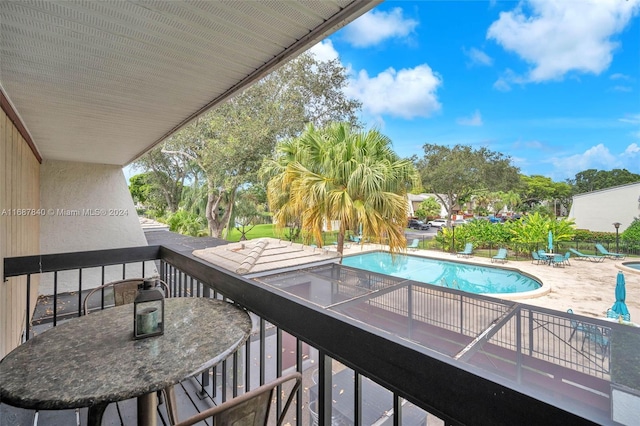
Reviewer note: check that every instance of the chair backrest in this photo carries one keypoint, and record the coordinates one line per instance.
(535, 255)
(502, 252)
(124, 291)
(542, 253)
(576, 252)
(567, 255)
(251, 408)
(468, 248)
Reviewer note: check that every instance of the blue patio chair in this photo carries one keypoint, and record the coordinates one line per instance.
(567, 255)
(536, 258)
(603, 251)
(467, 252)
(613, 314)
(575, 325)
(599, 336)
(590, 257)
(557, 260)
(501, 256)
(414, 244)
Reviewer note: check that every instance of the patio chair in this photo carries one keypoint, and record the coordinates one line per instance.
(536, 258)
(599, 336)
(124, 292)
(575, 325)
(613, 314)
(557, 260)
(590, 257)
(467, 252)
(501, 256)
(414, 244)
(250, 408)
(603, 251)
(567, 255)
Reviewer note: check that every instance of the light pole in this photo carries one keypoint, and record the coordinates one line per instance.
(617, 226)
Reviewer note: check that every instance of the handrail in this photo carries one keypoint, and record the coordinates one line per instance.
(424, 377)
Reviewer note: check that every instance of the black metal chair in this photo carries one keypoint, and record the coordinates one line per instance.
(251, 408)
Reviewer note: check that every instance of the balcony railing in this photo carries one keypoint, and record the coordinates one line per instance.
(464, 358)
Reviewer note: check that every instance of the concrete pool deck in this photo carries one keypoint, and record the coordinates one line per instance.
(586, 287)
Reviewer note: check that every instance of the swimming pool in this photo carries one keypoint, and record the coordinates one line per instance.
(463, 276)
(633, 265)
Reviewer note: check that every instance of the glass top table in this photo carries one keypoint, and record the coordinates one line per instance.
(93, 360)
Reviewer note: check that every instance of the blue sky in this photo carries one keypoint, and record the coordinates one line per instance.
(555, 85)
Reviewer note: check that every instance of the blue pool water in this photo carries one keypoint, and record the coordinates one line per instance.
(632, 265)
(458, 275)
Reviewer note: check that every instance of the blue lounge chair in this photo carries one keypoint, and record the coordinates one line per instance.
(591, 257)
(467, 252)
(501, 256)
(414, 244)
(603, 251)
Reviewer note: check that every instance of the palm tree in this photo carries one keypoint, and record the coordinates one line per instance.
(334, 174)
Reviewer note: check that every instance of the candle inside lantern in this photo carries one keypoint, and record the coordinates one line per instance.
(147, 321)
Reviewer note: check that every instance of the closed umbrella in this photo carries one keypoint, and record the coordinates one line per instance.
(550, 242)
(621, 293)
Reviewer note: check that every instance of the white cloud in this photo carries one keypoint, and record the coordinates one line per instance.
(474, 120)
(478, 57)
(618, 76)
(324, 51)
(557, 37)
(633, 149)
(631, 119)
(596, 157)
(376, 26)
(407, 93)
(624, 89)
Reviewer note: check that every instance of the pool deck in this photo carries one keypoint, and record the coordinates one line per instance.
(586, 287)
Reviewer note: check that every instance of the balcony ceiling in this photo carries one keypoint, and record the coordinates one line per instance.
(103, 82)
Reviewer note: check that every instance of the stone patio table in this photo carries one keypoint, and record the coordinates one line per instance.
(91, 361)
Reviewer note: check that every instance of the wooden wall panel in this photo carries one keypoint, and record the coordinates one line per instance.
(19, 233)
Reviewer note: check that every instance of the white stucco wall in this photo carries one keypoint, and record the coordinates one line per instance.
(598, 210)
(88, 207)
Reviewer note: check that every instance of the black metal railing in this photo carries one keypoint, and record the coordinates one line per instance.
(504, 344)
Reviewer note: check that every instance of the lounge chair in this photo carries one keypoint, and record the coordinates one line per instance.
(501, 256)
(467, 252)
(603, 251)
(591, 257)
(414, 244)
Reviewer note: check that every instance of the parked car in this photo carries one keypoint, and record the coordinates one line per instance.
(437, 223)
(418, 224)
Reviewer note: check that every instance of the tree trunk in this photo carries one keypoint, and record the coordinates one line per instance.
(213, 202)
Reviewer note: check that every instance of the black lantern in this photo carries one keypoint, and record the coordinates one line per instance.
(148, 311)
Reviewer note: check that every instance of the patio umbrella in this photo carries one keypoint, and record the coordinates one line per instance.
(550, 242)
(620, 307)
